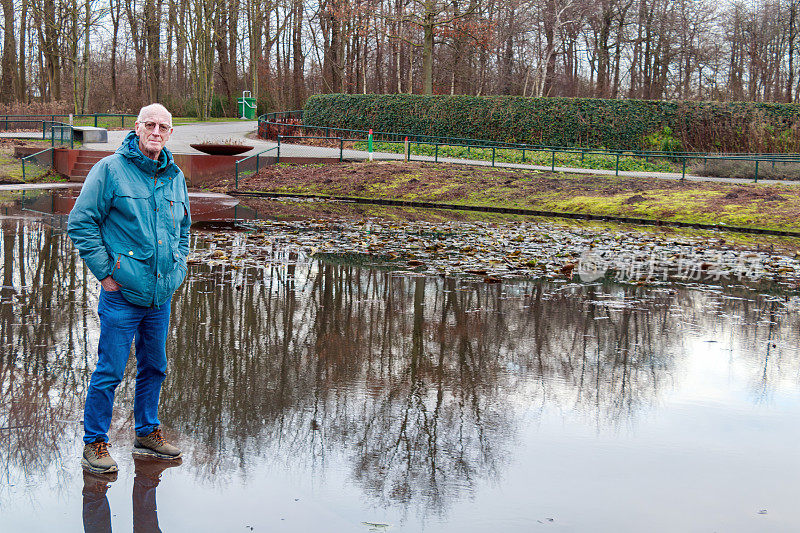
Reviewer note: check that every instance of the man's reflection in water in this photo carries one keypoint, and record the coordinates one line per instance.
(97, 512)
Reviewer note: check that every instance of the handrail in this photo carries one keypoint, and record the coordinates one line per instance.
(45, 120)
(483, 143)
(683, 158)
(76, 115)
(31, 156)
(61, 127)
(236, 165)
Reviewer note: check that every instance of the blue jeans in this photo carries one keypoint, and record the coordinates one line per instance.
(120, 322)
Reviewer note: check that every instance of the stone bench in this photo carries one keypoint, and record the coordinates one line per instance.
(90, 134)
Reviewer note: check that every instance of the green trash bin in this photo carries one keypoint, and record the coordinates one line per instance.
(247, 106)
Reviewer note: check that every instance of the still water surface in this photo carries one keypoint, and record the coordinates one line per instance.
(331, 396)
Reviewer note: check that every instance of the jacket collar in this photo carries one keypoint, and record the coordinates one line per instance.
(165, 166)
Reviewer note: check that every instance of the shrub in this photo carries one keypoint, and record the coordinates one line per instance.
(663, 141)
(37, 108)
(584, 122)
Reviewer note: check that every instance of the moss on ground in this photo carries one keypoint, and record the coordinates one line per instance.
(732, 204)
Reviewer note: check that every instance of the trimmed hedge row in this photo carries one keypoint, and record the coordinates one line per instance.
(584, 122)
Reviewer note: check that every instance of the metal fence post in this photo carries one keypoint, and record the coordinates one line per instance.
(278, 160)
(553, 162)
(492, 155)
(683, 172)
(257, 155)
(95, 120)
(436, 153)
(341, 149)
(617, 167)
(236, 179)
(756, 176)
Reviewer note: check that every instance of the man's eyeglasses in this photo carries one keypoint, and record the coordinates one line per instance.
(162, 128)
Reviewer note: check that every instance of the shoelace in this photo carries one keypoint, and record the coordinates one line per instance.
(156, 435)
(100, 449)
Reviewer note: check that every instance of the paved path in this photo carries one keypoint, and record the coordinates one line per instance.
(244, 130)
(38, 186)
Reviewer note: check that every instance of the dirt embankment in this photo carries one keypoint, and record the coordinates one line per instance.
(746, 205)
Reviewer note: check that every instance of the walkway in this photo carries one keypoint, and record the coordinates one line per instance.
(244, 131)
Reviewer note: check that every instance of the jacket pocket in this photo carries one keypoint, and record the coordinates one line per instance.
(132, 268)
(178, 210)
(129, 220)
(176, 276)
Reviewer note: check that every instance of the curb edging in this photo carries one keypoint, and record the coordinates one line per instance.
(520, 211)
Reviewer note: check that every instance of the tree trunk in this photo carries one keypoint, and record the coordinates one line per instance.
(22, 88)
(170, 71)
(550, 47)
(507, 68)
(427, 48)
(87, 26)
(51, 50)
(180, 49)
(9, 60)
(73, 55)
(114, 11)
(298, 83)
(138, 44)
(603, 53)
(223, 54)
(152, 12)
(792, 38)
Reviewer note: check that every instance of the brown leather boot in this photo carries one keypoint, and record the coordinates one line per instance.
(154, 445)
(96, 458)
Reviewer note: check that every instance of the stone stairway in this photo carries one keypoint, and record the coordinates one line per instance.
(83, 163)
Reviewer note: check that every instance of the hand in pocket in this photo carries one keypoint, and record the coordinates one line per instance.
(109, 284)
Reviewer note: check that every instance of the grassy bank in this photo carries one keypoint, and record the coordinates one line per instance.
(750, 205)
(11, 167)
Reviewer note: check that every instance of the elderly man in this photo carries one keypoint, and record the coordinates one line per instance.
(131, 227)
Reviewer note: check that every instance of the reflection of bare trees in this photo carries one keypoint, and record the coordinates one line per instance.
(32, 420)
(417, 380)
(39, 373)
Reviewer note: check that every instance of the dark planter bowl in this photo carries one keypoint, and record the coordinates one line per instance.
(221, 149)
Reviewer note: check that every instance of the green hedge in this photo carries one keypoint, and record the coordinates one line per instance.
(585, 122)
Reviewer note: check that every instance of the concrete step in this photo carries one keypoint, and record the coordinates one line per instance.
(88, 159)
(83, 164)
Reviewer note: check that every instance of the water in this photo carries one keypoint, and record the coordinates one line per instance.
(333, 396)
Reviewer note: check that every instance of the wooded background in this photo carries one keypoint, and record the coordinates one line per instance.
(196, 56)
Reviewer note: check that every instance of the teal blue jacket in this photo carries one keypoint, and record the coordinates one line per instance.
(131, 222)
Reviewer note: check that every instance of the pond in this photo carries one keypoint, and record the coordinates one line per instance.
(329, 392)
